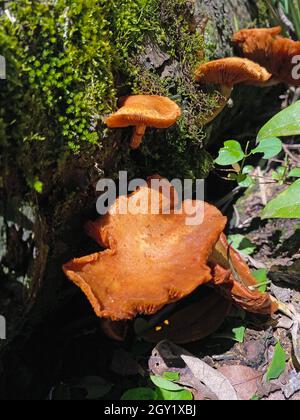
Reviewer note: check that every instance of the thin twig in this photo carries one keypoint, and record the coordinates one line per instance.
(237, 215)
(290, 154)
(263, 191)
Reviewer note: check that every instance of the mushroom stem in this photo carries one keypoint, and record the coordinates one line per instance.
(139, 132)
(226, 93)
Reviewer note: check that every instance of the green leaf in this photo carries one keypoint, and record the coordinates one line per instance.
(242, 244)
(236, 334)
(280, 174)
(295, 173)
(278, 364)
(261, 276)
(241, 178)
(164, 395)
(286, 205)
(269, 147)
(286, 123)
(248, 181)
(164, 384)
(232, 177)
(139, 394)
(231, 153)
(171, 376)
(248, 169)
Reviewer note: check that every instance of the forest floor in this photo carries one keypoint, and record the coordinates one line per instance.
(242, 349)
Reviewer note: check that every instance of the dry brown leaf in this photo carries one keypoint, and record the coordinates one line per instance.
(193, 372)
(244, 380)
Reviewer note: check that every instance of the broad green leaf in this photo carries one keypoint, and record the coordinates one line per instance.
(230, 154)
(165, 384)
(269, 147)
(171, 376)
(286, 123)
(242, 244)
(261, 276)
(286, 205)
(139, 394)
(278, 364)
(183, 395)
(295, 173)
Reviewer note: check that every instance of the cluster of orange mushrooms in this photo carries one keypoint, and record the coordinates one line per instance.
(152, 260)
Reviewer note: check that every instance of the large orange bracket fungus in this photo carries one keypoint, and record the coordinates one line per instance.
(152, 260)
(228, 72)
(267, 47)
(142, 111)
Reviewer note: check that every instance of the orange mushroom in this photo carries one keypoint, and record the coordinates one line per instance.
(233, 278)
(142, 111)
(228, 72)
(151, 260)
(269, 49)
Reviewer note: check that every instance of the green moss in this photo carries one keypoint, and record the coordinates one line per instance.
(70, 60)
(263, 13)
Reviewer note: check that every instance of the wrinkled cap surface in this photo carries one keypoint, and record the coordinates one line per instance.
(247, 34)
(231, 71)
(151, 260)
(152, 111)
(269, 49)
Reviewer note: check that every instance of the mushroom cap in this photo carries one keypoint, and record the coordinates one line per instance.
(152, 111)
(231, 71)
(251, 301)
(151, 260)
(238, 289)
(269, 49)
(246, 34)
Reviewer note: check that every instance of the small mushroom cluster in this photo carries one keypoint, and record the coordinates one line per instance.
(268, 48)
(268, 60)
(152, 260)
